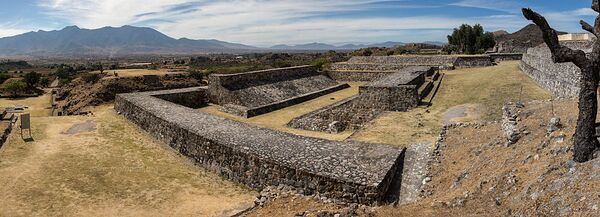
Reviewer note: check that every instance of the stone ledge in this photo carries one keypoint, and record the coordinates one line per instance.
(257, 157)
(256, 111)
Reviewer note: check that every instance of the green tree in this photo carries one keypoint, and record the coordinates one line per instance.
(15, 86)
(32, 78)
(44, 82)
(471, 39)
(4, 76)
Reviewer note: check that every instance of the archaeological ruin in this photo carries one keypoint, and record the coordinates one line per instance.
(258, 157)
(349, 171)
(398, 91)
(562, 79)
(254, 93)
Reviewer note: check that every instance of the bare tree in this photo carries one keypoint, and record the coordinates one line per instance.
(585, 142)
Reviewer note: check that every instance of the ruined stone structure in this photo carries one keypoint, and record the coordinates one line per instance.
(499, 57)
(562, 79)
(257, 157)
(576, 37)
(400, 91)
(253, 93)
(370, 68)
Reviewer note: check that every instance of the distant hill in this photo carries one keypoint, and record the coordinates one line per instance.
(500, 33)
(6, 65)
(322, 46)
(124, 40)
(520, 41)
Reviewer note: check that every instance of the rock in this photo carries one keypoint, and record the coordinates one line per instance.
(509, 124)
(570, 164)
(335, 127)
(426, 180)
(554, 125)
(438, 204)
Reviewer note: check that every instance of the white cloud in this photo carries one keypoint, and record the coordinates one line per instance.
(11, 28)
(268, 22)
(499, 5)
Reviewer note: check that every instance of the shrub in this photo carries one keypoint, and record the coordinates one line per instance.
(32, 78)
(15, 86)
(91, 77)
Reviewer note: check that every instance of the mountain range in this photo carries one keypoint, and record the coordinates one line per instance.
(129, 40)
(123, 40)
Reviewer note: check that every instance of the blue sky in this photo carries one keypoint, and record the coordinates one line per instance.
(270, 22)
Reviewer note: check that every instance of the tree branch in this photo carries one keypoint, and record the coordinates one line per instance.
(560, 53)
(596, 6)
(587, 27)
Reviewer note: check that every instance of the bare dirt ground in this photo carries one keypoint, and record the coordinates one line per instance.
(278, 120)
(104, 166)
(465, 95)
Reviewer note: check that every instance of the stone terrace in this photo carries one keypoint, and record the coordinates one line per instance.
(257, 157)
(400, 91)
(369, 68)
(253, 93)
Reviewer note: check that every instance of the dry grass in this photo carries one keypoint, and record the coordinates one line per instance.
(138, 72)
(481, 91)
(116, 170)
(278, 120)
(38, 106)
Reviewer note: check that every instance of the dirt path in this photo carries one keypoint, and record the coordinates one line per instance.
(462, 113)
(104, 166)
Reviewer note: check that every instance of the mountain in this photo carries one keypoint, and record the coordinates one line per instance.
(322, 46)
(518, 42)
(123, 40)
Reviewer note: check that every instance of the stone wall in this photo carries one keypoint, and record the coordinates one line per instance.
(442, 61)
(6, 126)
(349, 171)
(561, 79)
(367, 67)
(357, 76)
(499, 57)
(348, 114)
(263, 109)
(258, 92)
(396, 92)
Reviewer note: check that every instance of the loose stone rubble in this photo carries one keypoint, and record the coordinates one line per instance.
(509, 124)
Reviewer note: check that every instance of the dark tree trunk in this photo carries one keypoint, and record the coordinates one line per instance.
(585, 140)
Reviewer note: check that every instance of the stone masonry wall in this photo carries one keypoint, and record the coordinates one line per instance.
(267, 90)
(499, 57)
(257, 157)
(357, 76)
(396, 92)
(442, 61)
(561, 79)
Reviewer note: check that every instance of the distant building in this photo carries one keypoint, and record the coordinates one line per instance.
(576, 37)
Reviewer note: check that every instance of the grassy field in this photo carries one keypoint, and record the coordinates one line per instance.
(138, 72)
(109, 168)
(278, 120)
(478, 93)
(38, 106)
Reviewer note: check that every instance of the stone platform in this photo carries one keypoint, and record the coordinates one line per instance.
(349, 171)
(254, 93)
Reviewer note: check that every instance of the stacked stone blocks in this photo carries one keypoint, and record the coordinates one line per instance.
(348, 171)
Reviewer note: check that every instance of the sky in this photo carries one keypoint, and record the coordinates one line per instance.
(271, 22)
